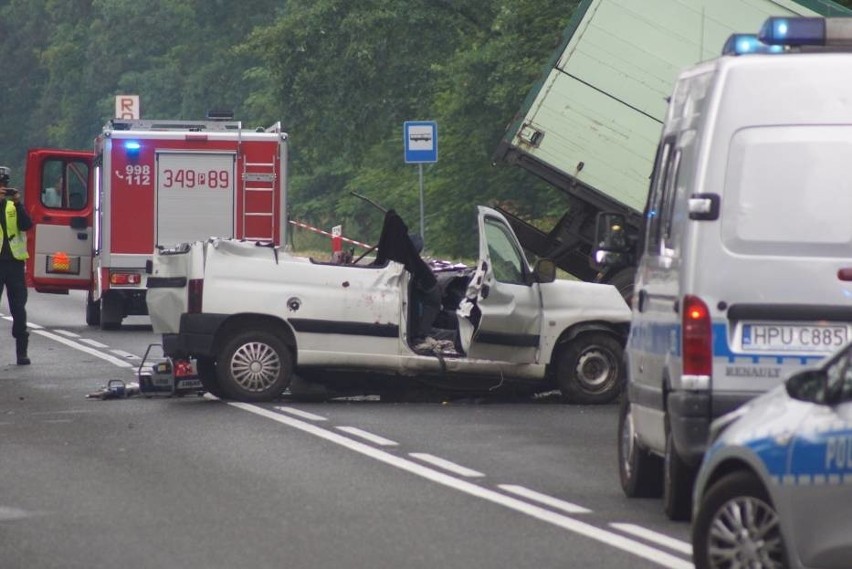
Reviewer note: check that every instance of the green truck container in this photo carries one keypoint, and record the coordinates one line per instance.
(591, 124)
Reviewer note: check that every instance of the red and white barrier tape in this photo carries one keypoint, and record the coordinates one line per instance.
(321, 232)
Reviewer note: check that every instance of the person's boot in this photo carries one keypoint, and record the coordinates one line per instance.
(21, 350)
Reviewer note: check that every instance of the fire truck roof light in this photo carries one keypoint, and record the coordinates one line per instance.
(131, 147)
(742, 44)
(807, 31)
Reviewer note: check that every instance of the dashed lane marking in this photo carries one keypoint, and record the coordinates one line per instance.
(68, 333)
(368, 436)
(567, 507)
(302, 414)
(446, 465)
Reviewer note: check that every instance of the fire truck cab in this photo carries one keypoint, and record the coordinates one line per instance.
(98, 216)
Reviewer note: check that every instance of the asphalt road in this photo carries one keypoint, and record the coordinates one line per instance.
(195, 482)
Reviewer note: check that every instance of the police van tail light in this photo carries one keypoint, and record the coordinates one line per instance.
(697, 344)
(196, 292)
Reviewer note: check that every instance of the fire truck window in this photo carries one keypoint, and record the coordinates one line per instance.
(65, 184)
(52, 174)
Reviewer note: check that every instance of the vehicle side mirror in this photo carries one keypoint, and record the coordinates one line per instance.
(612, 244)
(545, 270)
(808, 385)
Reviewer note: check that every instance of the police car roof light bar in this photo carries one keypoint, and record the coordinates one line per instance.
(807, 31)
(741, 44)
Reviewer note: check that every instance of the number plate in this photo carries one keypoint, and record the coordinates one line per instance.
(794, 337)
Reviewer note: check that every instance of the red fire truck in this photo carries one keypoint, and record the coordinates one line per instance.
(98, 216)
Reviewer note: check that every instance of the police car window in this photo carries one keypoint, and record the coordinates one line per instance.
(506, 260)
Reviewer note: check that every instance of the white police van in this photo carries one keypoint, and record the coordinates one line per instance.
(745, 272)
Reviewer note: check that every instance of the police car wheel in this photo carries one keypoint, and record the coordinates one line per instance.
(207, 376)
(589, 369)
(254, 366)
(678, 482)
(640, 472)
(736, 525)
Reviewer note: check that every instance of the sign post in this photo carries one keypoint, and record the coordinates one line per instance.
(421, 147)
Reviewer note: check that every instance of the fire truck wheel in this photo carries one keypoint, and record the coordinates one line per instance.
(93, 311)
(111, 312)
(254, 366)
(207, 375)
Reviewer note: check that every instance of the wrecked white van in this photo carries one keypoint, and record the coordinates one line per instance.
(253, 316)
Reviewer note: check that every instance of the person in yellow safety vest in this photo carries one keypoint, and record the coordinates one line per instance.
(14, 221)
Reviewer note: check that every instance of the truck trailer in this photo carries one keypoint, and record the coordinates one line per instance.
(591, 124)
(99, 215)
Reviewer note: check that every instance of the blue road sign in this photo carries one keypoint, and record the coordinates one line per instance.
(421, 141)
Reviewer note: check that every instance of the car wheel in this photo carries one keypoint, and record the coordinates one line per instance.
(206, 368)
(93, 311)
(589, 369)
(641, 472)
(254, 366)
(736, 525)
(678, 481)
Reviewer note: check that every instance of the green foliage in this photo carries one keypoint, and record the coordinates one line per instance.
(341, 76)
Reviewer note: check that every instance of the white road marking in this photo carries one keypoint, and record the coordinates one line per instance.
(655, 537)
(446, 465)
(607, 537)
(33, 326)
(544, 499)
(68, 333)
(78, 346)
(368, 436)
(93, 343)
(302, 414)
(8, 513)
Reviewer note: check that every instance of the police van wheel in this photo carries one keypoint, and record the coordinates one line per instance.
(589, 369)
(641, 472)
(93, 311)
(254, 366)
(678, 481)
(207, 376)
(736, 524)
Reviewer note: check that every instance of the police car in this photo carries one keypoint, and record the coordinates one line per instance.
(775, 487)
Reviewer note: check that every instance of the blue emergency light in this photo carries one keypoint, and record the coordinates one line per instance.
(131, 148)
(741, 44)
(793, 31)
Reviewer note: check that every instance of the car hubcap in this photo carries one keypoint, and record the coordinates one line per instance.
(255, 366)
(745, 533)
(594, 369)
